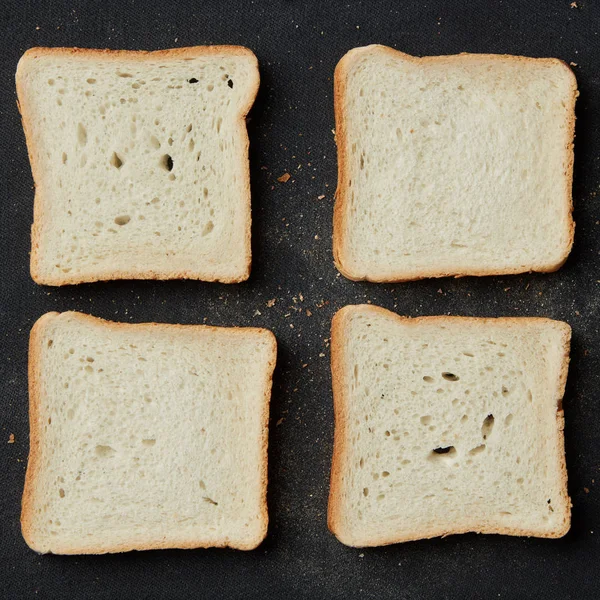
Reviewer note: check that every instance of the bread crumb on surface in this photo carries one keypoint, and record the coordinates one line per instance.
(271, 303)
(11, 438)
(284, 178)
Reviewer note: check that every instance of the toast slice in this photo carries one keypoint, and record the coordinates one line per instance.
(140, 162)
(447, 425)
(146, 436)
(452, 165)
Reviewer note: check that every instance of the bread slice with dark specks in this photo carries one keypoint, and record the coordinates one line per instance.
(140, 162)
(447, 425)
(146, 436)
(452, 165)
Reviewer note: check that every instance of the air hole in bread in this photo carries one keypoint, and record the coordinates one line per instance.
(50, 343)
(508, 419)
(208, 228)
(428, 379)
(365, 492)
(192, 80)
(61, 493)
(210, 87)
(230, 83)
(122, 220)
(116, 161)
(51, 82)
(425, 420)
(219, 123)
(505, 391)
(124, 74)
(450, 376)
(104, 451)
(442, 453)
(210, 500)
(477, 449)
(149, 442)
(166, 162)
(81, 134)
(487, 427)
(91, 80)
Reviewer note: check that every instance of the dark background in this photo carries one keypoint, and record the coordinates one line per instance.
(298, 45)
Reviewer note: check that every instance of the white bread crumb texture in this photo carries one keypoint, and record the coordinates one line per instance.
(452, 427)
(149, 438)
(455, 164)
(140, 164)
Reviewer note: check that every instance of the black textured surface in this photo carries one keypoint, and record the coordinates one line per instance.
(298, 45)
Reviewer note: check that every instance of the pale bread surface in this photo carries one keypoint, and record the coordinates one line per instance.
(146, 436)
(140, 162)
(485, 393)
(452, 165)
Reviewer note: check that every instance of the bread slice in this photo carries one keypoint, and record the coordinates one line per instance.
(146, 436)
(447, 425)
(452, 165)
(140, 161)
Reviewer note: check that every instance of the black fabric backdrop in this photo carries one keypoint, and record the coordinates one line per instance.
(298, 45)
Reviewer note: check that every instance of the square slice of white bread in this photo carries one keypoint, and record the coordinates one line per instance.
(447, 425)
(140, 162)
(146, 436)
(452, 165)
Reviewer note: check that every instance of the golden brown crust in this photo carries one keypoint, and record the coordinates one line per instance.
(140, 55)
(340, 402)
(35, 393)
(35, 431)
(339, 213)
